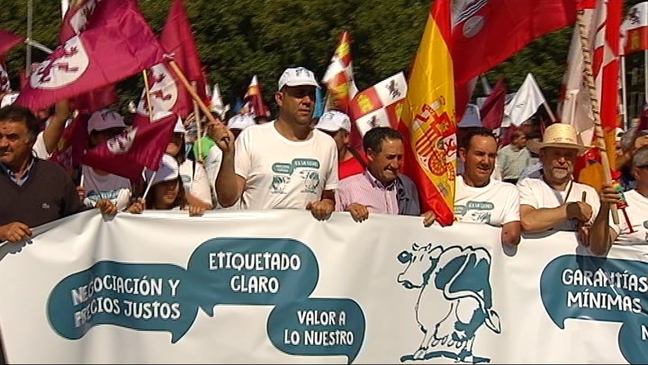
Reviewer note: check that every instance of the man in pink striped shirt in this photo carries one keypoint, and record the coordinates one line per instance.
(380, 189)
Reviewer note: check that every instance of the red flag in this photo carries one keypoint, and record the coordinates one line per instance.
(76, 18)
(177, 39)
(119, 44)
(254, 99)
(339, 76)
(166, 94)
(129, 153)
(635, 28)
(79, 17)
(488, 32)
(492, 112)
(8, 41)
(72, 144)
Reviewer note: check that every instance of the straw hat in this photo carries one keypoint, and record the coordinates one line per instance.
(558, 135)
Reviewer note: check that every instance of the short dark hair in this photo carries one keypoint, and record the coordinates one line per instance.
(477, 131)
(374, 137)
(15, 113)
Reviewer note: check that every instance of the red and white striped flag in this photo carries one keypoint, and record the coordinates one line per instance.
(379, 105)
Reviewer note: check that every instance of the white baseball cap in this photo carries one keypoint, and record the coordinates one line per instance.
(297, 76)
(105, 119)
(240, 122)
(333, 121)
(167, 171)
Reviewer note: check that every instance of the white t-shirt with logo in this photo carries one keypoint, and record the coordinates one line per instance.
(112, 187)
(195, 181)
(284, 174)
(495, 204)
(536, 193)
(637, 211)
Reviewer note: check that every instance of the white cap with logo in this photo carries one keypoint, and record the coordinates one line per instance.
(297, 76)
(105, 119)
(240, 121)
(333, 121)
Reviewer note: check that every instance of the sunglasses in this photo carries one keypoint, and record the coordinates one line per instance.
(301, 92)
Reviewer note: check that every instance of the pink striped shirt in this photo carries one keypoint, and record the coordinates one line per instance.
(366, 190)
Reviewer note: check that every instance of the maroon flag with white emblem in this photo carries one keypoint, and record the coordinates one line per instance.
(130, 152)
(78, 18)
(119, 44)
(165, 92)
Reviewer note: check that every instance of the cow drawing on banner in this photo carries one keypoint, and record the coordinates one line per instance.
(455, 299)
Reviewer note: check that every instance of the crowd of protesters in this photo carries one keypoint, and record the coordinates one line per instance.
(298, 162)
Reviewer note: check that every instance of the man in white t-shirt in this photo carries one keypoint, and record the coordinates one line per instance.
(478, 197)
(98, 184)
(555, 201)
(284, 164)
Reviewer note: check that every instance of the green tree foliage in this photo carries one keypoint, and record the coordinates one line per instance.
(240, 38)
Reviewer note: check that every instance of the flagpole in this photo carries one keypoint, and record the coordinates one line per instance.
(148, 186)
(148, 95)
(645, 76)
(28, 53)
(624, 97)
(591, 87)
(185, 83)
(551, 115)
(198, 126)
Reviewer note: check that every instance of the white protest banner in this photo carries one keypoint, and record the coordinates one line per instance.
(282, 287)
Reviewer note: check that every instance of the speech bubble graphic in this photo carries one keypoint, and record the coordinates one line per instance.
(253, 271)
(147, 297)
(600, 289)
(318, 327)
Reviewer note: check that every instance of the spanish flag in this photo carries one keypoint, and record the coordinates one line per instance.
(428, 120)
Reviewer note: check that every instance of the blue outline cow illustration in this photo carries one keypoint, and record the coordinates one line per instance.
(455, 299)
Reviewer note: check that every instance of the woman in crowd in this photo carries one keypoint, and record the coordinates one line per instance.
(192, 174)
(166, 191)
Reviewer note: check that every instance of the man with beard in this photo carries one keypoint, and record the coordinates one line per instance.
(555, 201)
(283, 164)
(478, 197)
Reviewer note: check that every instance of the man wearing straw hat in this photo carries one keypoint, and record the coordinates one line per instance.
(555, 201)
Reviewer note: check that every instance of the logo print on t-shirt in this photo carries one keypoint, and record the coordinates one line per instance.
(279, 183)
(479, 212)
(308, 170)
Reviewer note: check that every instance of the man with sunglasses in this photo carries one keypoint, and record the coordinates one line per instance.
(283, 164)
